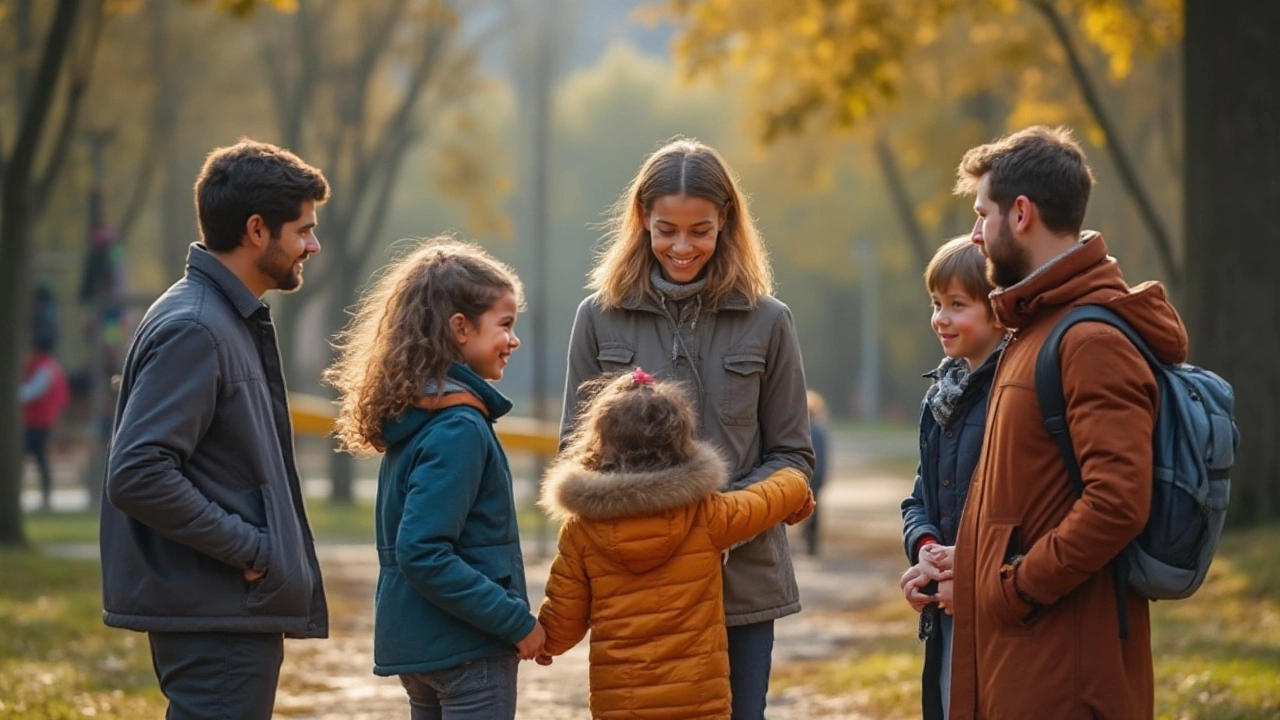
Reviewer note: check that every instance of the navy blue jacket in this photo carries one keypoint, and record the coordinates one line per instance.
(451, 586)
(201, 482)
(948, 457)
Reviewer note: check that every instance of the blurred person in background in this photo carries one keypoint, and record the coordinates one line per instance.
(821, 465)
(44, 394)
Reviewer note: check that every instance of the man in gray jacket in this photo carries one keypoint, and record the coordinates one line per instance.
(205, 541)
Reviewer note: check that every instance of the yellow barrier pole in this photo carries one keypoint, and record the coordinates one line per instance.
(313, 415)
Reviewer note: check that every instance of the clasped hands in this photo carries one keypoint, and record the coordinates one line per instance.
(936, 563)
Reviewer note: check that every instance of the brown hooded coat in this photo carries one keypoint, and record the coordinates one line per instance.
(1062, 659)
(639, 564)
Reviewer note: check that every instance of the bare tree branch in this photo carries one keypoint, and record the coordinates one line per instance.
(901, 198)
(1164, 247)
(77, 86)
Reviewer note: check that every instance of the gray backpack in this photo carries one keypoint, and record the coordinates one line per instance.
(1193, 448)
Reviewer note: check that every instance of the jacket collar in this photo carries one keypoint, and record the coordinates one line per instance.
(497, 403)
(640, 300)
(570, 489)
(462, 379)
(202, 265)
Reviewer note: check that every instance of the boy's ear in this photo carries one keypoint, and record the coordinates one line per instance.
(458, 325)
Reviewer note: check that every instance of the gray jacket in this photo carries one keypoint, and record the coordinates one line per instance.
(751, 408)
(201, 481)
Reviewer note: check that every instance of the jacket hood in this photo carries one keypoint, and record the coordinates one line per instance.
(1087, 275)
(630, 515)
(460, 379)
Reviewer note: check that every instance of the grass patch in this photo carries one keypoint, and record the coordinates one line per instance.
(1217, 654)
(57, 659)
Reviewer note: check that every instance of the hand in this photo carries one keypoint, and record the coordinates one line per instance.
(937, 561)
(543, 659)
(912, 583)
(946, 595)
(251, 575)
(531, 646)
(803, 512)
(942, 557)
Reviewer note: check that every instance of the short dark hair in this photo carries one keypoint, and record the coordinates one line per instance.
(252, 178)
(1046, 165)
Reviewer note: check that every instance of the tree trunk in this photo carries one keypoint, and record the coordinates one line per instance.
(15, 261)
(341, 464)
(15, 293)
(1232, 306)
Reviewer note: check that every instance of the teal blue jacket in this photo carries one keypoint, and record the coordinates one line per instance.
(451, 586)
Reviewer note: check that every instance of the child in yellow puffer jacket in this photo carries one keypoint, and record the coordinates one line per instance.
(639, 558)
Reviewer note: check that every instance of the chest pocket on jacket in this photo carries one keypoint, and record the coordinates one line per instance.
(743, 375)
(615, 357)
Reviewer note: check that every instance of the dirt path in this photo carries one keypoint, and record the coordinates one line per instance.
(331, 680)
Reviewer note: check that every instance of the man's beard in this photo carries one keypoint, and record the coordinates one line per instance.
(1008, 263)
(279, 267)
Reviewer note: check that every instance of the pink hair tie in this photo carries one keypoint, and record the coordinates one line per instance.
(640, 377)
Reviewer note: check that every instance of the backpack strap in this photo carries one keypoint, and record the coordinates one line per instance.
(1053, 411)
(432, 403)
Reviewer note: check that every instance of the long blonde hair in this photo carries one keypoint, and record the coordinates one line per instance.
(400, 336)
(682, 167)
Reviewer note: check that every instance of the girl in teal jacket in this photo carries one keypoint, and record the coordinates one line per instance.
(451, 613)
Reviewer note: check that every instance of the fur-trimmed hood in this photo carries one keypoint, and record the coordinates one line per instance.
(639, 520)
(571, 490)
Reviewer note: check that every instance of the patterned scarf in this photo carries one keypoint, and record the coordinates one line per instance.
(949, 381)
(686, 310)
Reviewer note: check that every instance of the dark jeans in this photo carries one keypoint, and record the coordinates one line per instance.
(218, 676)
(483, 689)
(750, 661)
(37, 446)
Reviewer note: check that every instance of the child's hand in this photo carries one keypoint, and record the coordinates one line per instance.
(543, 659)
(805, 511)
(942, 557)
(531, 646)
(938, 561)
(913, 583)
(946, 595)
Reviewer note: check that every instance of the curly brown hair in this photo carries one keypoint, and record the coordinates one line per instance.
(631, 426)
(400, 336)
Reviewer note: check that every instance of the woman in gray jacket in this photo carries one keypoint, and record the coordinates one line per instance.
(683, 290)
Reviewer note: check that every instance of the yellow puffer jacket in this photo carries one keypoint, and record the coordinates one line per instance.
(639, 565)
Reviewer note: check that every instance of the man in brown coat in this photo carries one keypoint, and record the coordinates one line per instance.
(1036, 628)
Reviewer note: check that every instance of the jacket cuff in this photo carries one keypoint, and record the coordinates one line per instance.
(523, 629)
(925, 540)
(1024, 606)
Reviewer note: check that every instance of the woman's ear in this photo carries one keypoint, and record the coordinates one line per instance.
(459, 326)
